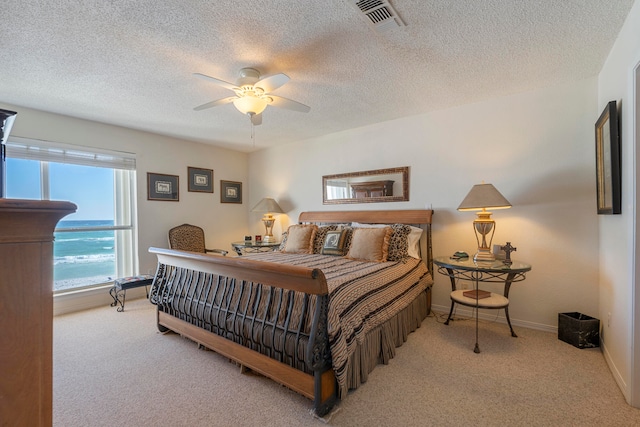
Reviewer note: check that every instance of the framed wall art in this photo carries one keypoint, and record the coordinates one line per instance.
(608, 176)
(200, 180)
(163, 187)
(230, 192)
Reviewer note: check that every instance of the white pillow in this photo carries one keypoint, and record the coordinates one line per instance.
(414, 242)
(361, 225)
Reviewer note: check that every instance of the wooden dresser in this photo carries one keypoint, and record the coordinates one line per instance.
(26, 309)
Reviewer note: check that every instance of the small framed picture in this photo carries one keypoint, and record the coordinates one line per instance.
(200, 180)
(163, 187)
(230, 192)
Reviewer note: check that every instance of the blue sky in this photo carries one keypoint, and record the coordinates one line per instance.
(90, 188)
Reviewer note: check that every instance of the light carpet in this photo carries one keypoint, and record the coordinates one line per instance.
(114, 368)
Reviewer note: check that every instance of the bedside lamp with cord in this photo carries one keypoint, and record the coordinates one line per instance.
(269, 206)
(480, 198)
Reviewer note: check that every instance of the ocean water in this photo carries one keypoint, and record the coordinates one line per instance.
(83, 258)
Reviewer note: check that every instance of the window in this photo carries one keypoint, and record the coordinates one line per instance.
(97, 243)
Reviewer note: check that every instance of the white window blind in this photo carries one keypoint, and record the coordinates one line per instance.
(32, 149)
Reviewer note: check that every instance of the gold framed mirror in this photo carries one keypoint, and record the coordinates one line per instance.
(381, 185)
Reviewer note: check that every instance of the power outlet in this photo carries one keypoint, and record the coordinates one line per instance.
(608, 320)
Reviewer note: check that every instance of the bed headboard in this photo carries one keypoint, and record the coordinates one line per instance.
(417, 217)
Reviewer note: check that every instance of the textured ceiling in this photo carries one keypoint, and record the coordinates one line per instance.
(130, 63)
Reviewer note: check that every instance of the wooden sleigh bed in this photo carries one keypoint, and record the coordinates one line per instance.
(316, 323)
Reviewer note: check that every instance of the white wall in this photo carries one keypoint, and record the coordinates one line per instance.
(537, 148)
(223, 222)
(617, 240)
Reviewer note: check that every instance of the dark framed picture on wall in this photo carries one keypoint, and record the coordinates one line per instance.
(200, 180)
(163, 187)
(230, 192)
(608, 174)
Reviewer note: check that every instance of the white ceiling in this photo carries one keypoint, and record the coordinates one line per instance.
(130, 63)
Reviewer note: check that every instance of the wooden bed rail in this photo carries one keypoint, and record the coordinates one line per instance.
(295, 278)
(181, 276)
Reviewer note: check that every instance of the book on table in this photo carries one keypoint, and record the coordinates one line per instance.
(477, 294)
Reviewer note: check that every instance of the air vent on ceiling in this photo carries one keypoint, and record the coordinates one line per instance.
(379, 14)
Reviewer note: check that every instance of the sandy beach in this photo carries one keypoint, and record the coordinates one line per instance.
(60, 285)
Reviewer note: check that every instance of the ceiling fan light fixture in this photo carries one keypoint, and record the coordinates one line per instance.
(250, 104)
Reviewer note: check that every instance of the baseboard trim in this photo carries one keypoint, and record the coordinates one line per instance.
(495, 316)
(619, 379)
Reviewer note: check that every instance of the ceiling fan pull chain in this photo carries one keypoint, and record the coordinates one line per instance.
(253, 134)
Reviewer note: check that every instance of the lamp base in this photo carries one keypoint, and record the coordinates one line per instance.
(268, 239)
(484, 255)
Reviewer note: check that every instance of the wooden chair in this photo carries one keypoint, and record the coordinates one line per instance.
(187, 237)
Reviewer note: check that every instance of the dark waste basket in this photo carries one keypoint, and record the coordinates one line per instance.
(579, 330)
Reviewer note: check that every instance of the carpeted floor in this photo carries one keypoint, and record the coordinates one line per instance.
(114, 368)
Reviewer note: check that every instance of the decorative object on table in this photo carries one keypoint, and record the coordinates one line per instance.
(200, 180)
(269, 206)
(230, 192)
(247, 238)
(608, 161)
(459, 255)
(480, 198)
(476, 294)
(507, 251)
(258, 238)
(163, 187)
(250, 246)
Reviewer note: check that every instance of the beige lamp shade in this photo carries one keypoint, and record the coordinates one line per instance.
(483, 196)
(269, 207)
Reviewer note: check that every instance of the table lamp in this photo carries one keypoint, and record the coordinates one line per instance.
(480, 198)
(269, 206)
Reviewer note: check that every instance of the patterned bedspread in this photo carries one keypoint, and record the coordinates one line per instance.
(363, 295)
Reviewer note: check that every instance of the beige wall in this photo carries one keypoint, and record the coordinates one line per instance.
(536, 148)
(617, 242)
(223, 222)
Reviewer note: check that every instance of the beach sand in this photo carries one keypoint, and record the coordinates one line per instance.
(60, 285)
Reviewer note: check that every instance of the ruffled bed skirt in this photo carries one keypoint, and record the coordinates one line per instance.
(379, 345)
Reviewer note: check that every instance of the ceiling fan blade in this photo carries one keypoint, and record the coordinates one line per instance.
(272, 83)
(278, 101)
(256, 119)
(215, 103)
(219, 82)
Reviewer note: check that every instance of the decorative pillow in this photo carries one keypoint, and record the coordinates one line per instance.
(300, 239)
(348, 230)
(399, 242)
(414, 242)
(283, 243)
(318, 241)
(334, 242)
(370, 244)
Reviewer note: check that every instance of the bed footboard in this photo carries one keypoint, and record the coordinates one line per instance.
(250, 312)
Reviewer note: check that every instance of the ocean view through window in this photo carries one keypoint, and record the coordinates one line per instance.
(96, 244)
(83, 258)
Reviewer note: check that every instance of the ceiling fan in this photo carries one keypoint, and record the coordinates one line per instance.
(253, 94)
